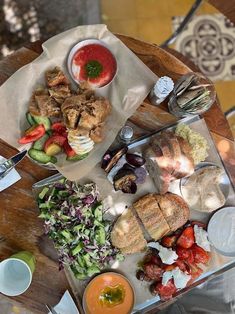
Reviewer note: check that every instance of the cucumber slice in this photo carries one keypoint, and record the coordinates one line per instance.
(77, 157)
(30, 119)
(43, 120)
(39, 144)
(40, 156)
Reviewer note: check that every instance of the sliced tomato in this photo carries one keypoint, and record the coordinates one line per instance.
(165, 292)
(33, 134)
(200, 255)
(182, 253)
(55, 139)
(59, 128)
(169, 241)
(182, 266)
(186, 239)
(195, 273)
(68, 149)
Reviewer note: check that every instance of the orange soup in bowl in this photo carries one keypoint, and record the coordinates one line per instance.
(108, 293)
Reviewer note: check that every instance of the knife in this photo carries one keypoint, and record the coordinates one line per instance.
(51, 309)
(7, 165)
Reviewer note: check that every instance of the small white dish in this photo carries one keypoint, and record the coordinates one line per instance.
(221, 231)
(78, 46)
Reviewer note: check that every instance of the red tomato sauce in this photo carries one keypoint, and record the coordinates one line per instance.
(103, 56)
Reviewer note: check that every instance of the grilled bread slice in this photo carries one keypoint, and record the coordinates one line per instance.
(151, 216)
(126, 233)
(135, 247)
(174, 209)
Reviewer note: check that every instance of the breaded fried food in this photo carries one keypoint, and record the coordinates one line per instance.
(56, 77)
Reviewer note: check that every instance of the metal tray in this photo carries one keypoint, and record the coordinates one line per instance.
(144, 300)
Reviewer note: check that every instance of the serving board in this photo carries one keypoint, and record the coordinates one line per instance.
(116, 202)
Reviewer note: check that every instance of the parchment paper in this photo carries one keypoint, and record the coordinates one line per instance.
(116, 203)
(129, 88)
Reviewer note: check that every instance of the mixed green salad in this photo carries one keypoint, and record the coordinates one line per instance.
(73, 219)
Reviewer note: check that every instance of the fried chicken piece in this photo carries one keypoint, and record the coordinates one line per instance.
(79, 132)
(96, 134)
(60, 93)
(94, 113)
(47, 106)
(56, 77)
(33, 106)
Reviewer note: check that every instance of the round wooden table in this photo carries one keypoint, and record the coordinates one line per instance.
(19, 224)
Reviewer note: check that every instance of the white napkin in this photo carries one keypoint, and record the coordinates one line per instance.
(11, 178)
(66, 305)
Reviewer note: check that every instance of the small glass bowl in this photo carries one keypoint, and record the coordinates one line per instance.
(176, 110)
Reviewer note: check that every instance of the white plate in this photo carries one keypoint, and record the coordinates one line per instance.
(221, 231)
(80, 45)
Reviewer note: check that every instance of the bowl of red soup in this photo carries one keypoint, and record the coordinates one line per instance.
(92, 62)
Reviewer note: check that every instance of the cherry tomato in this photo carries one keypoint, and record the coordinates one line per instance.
(33, 134)
(195, 273)
(182, 253)
(55, 139)
(59, 128)
(68, 149)
(186, 239)
(169, 241)
(165, 292)
(200, 255)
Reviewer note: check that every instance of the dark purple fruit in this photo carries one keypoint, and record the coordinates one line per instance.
(123, 179)
(141, 175)
(130, 188)
(128, 167)
(135, 160)
(111, 158)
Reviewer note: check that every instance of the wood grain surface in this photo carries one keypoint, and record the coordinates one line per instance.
(19, 224)
(227, 7)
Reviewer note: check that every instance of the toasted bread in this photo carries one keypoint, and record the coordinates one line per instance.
(136, 246)
(151, 216)
(174, 209)
(126, 232)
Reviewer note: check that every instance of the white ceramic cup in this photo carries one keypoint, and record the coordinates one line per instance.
(15, 276)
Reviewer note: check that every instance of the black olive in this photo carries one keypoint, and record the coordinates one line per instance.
(135, 160)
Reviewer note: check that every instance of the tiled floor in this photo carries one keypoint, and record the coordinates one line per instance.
(151, 20)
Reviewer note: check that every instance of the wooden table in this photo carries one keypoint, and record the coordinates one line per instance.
(18, 217)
